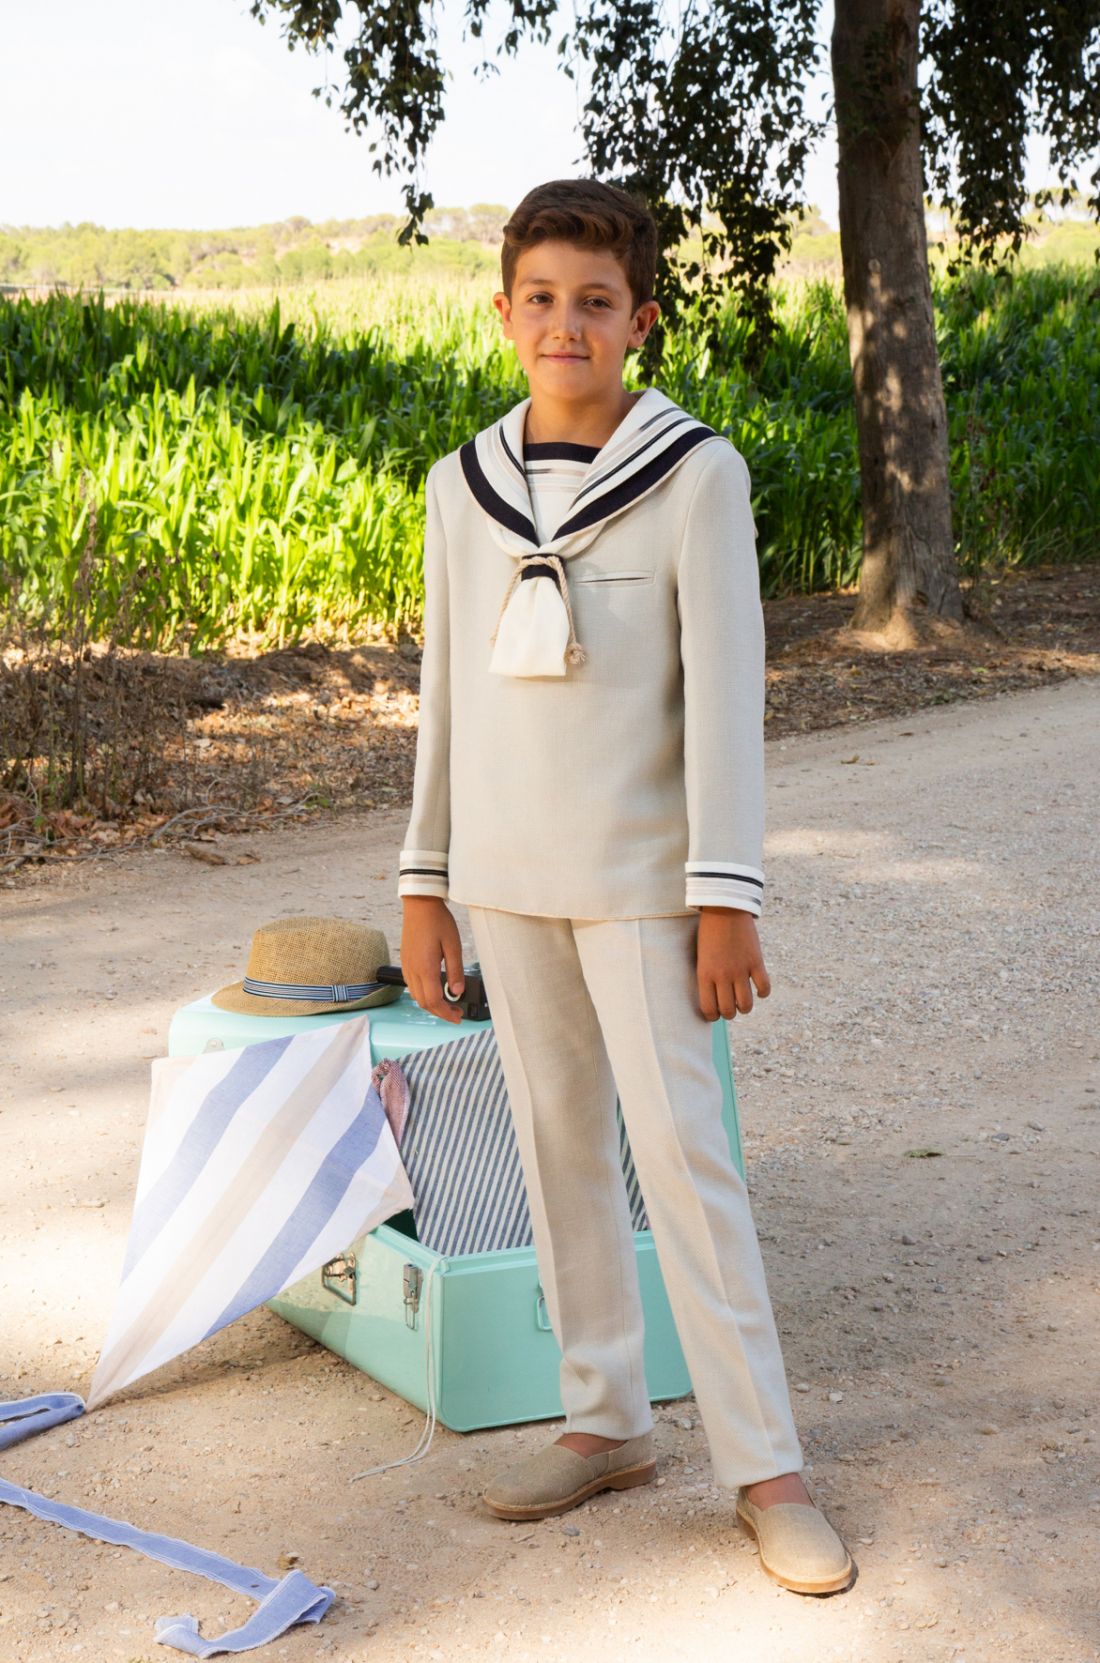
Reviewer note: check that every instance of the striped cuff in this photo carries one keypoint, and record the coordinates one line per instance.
(724, 883)
(422, 872)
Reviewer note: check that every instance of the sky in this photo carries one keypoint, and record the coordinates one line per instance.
(190, 114)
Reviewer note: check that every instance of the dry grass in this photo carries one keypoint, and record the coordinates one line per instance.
(195, 750)
(85, 728)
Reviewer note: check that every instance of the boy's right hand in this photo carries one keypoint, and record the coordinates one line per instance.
(429, 937)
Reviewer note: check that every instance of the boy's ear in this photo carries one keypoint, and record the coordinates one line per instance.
(645, 317)
(503, 305)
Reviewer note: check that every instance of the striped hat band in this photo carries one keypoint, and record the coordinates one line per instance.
(337, 994)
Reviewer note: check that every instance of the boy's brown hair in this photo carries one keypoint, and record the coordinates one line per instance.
(592, 215)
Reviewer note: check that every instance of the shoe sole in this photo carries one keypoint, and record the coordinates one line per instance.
(625, 1479)
(831, 1585)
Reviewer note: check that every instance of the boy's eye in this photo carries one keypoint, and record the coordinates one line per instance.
(598, 299)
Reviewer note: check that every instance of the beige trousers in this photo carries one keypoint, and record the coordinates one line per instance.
(583, 1008)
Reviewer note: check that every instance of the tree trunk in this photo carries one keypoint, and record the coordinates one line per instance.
(909, 571)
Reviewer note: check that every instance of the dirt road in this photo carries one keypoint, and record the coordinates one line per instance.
(920, 1100)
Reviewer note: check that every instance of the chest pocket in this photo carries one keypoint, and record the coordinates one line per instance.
(610, 579)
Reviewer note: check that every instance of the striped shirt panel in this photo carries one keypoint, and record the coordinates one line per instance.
(722, 883)
(555, 472)
(422, 872)
(460, 1152)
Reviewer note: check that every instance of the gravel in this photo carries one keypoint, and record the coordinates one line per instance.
(931, 932)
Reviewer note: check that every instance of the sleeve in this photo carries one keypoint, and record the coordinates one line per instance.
(722, 654)
(422, 864)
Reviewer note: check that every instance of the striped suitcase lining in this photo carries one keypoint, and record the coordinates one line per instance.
(460, 1152)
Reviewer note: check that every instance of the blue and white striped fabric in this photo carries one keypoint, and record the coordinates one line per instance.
(460, 1152)
(258, 1166)
(294, 1599)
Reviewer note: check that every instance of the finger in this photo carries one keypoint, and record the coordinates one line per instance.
(437, 1003)
(743, 992)
(412, 977)
(427, 989)
(453, 968)
(445, 1012)
(727, 1000)
(708, 1000)
(762, 979)
(421, 989)
(410, 984)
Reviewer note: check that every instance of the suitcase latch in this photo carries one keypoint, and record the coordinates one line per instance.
(411, 1283)
(341, 1277)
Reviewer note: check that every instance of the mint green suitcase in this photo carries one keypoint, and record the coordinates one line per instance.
(471, 1330)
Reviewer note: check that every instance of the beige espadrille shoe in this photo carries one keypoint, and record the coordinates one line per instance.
(556, 1478)
(798, 1546)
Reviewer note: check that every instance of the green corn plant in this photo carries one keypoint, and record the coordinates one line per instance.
(258, 467)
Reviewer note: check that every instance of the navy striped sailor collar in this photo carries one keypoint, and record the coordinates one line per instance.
(652, 439)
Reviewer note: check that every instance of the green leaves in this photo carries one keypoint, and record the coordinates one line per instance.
(225, 461)
(262, 470)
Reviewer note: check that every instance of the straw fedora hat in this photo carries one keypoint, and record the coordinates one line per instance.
(304, 965)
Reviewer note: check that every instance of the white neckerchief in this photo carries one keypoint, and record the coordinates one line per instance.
(534, 633)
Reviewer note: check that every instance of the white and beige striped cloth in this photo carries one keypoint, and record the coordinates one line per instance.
(258, 1166)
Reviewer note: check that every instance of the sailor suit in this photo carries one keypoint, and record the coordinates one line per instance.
(589, 772)
(591, 715)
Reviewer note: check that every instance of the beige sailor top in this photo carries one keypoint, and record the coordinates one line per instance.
(591, 702)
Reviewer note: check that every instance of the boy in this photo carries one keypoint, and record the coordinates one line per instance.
(589, 784)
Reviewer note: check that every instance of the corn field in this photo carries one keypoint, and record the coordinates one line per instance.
(256, 470)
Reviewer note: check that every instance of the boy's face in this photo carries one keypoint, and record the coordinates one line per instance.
(572, 320)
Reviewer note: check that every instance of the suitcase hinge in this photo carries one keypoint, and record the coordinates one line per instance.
(341, 1277)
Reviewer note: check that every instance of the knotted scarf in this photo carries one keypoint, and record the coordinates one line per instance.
(535, 633)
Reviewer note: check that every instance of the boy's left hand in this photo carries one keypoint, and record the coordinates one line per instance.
(728, 962)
